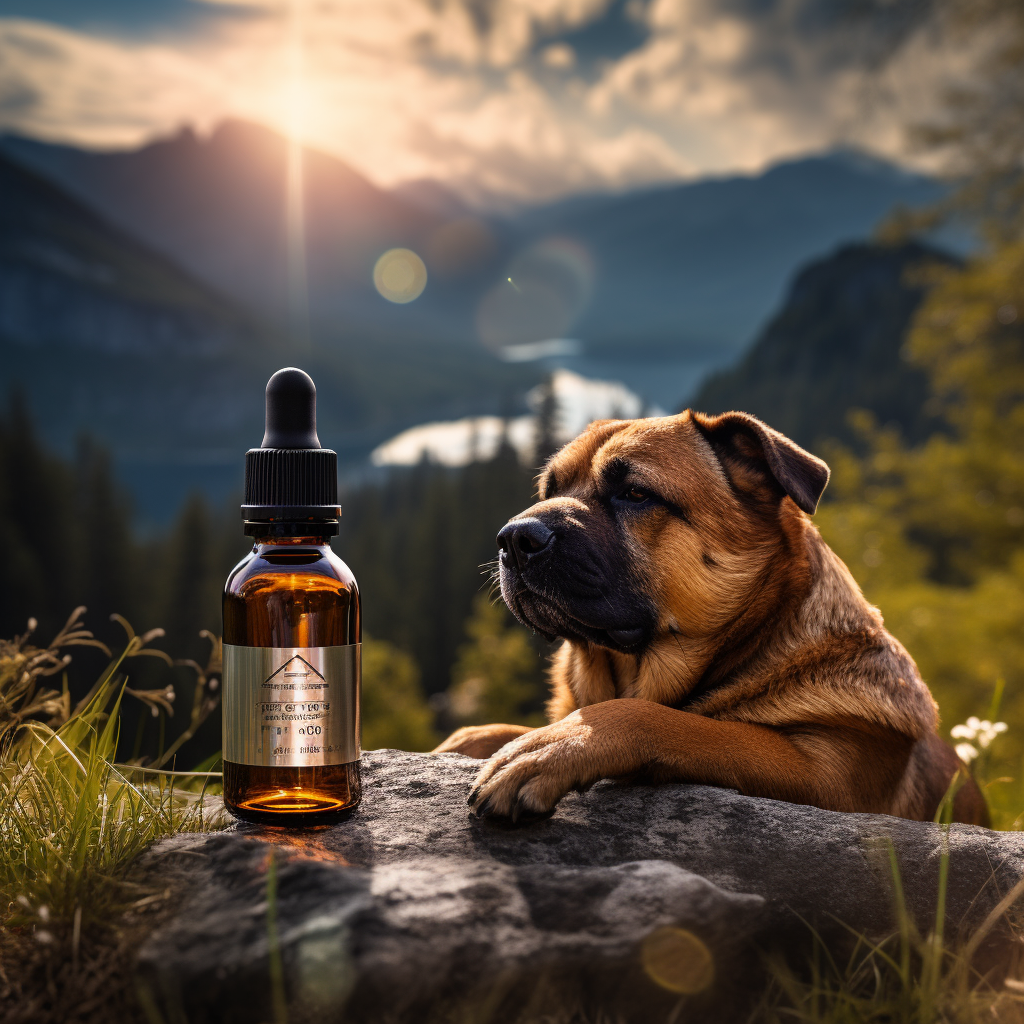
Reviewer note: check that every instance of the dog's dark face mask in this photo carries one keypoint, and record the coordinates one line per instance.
(566, 570)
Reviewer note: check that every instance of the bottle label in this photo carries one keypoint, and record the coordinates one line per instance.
(291, 706)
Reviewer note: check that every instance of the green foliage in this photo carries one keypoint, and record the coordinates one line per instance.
(188, 569)
(394, 711)
(935, 533)
(497, 676)
(71, 821)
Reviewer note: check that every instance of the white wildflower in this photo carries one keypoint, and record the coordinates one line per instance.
(978, 731)
(989, 731)
(966, 752)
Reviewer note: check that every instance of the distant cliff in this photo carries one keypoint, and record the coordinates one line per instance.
(836, 345)
(69, 279)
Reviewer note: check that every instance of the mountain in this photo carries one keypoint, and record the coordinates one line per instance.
(68, 279)
(103, 335)
(217, 206)
(681, 273)
(702, 265)
(144, 293)
(835, 346)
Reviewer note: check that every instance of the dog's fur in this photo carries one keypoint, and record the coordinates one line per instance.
(710, 634)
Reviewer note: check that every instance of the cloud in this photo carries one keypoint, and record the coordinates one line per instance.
(65, 86)
(494, 97)
(559, 55)
(755, 80)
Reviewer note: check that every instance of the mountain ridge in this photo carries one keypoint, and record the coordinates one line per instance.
(138, 301)
(836, 345)
(651, 281)
(101, 335)
(694, 266)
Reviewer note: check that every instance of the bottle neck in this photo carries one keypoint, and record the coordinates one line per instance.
(282, 535)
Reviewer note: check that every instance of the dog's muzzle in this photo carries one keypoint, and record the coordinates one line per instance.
(568, 595)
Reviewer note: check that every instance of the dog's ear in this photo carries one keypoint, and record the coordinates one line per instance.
(753, 455)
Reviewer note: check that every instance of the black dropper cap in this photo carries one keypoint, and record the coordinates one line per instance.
(291, 479)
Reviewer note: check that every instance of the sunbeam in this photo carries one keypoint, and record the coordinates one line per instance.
(295, 207)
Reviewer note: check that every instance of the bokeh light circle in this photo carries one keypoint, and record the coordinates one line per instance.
(677, 960)
(542, 294)
(400, 275)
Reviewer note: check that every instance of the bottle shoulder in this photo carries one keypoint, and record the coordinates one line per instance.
(312, 568)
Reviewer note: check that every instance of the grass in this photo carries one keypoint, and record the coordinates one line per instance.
(903, 979)
(906, 978)
(73, 822)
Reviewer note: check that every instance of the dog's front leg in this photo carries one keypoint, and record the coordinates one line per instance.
(621, 737)
(479, 740)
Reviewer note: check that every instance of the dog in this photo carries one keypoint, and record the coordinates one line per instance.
(709, 634)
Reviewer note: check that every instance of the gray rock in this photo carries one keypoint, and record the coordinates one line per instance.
(413, 910)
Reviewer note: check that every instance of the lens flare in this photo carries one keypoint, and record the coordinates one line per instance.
(677, 960)
(544, 291)
(400, 275)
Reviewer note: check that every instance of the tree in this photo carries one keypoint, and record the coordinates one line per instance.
(546, 443)
(394, 711)
(935, 533)
(41, 563)
(421, 543)
(112, 574)
(498, 675)
(981, 130)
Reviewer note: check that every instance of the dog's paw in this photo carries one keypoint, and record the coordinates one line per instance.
(527, 777)
(479, 740)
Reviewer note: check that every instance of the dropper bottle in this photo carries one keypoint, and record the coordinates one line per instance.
(291, 630)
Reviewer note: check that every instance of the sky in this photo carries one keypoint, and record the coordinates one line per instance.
(515, 100)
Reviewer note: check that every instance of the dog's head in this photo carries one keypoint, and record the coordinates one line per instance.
(651, 527)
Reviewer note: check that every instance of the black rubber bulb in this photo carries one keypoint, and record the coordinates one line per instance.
(291, 410)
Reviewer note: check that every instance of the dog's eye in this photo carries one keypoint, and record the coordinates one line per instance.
(635, 495)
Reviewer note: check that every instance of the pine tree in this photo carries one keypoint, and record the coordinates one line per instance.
(498, 676)
(546, 443)
(394, 711)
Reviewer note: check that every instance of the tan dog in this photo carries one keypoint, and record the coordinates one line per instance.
(711, 635)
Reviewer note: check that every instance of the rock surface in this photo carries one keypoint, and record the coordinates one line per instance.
(413, 910)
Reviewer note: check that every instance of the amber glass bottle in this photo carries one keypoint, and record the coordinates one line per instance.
(291, 631)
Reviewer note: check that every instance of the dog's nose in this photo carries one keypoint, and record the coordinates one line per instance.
(523, 539)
